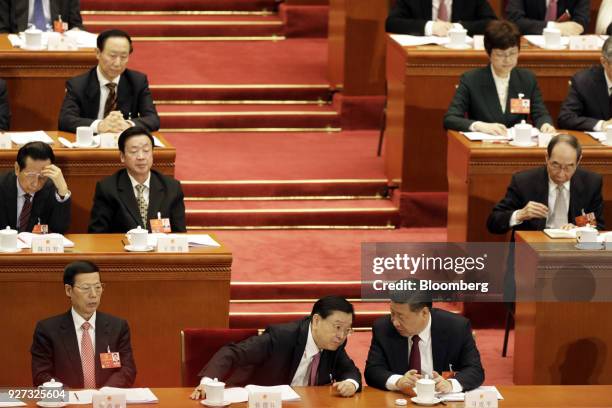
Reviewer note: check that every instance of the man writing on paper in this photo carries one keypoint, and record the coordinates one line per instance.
(418, 340)
(571, 17)
(83, 348)
(133, 196)
(436, 17)
(36, 192)
(5, 113)
(310, 351)
(109, 97)
(588, 105)
(16, 15)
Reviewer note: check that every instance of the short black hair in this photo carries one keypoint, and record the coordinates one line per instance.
(501, 35)
(105, 35)
(131, 132)
(74, 268)
(417, 299)
(35, 151)
(565, 138)
(330, 304)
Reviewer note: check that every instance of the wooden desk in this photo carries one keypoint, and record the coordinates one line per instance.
(158, 294)
(82, 168)
(479, 174)
(514, 397)
(421, 84)
(562, 342)
(36, 82)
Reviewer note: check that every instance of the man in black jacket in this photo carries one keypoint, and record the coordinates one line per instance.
(310, 351)
(571, 17)
(110, 97)
(15, 15)
(5, 112)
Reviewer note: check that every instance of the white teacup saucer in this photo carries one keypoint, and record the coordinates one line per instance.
(132, 248)
(215, 404)
(10, 251)
(51, 404)
(94, 143)
(424, 402)
(515, 144)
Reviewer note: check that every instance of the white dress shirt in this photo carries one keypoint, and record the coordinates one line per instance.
(104, 91)
(21, 199)
(145, 192)
(604, 18)
(46, 10)
(599, 126)
(435, 6)
(426, 353)
(302, 374)
(78, 322)
(552, 198)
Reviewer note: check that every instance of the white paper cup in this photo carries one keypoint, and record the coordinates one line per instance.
(552, 37)
(138, 237)
(425, 389)
(522, 133)
(457, 36)
(84, 136)
(214, 391)
(8, 239)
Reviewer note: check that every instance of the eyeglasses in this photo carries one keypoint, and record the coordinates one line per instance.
(558, 166)
(98, 288)
(342, 331)
(32, 175)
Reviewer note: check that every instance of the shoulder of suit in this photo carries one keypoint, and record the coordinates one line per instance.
(525, 73)
(132, 75)
(589, 74)
(587, 174)
(529, 175)
(476, 73)
(84, 78)
(164, 178)
(382, 324)
(54, 321)
(448, 318)
(109, 318)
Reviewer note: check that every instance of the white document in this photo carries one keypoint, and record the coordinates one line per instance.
(26, 239)
(460, 396)
(196, 240)
(157, 142)
(134, 395)
(22, 138)
(538, 40)
(560, 233)
(600, 136)
(83, 39)
(80, 397)
(235, 395)
(479, 136)
(415, 40)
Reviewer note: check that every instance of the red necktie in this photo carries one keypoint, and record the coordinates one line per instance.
(414, 362)
(111, 99)
(551, 13)
(442, 12)
(88, 361)
(26, 210)
(314, 367)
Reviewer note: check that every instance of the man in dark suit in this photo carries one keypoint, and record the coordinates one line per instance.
(587, 105)
(417, 340)
(133, 196)
(532, 199)
(310, 351)
(532, 16)
(15, 15)
(426, 17)
(72, 347)
(36, 192)
(110, 97)
(5, 112)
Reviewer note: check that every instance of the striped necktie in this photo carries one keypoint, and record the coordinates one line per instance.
(88, 360)
(26, 210)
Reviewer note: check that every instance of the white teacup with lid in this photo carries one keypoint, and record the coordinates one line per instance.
(33, 37)
(522, 133)
(425, 389)
(138, 238)
(552, 36)
(214, 391)
(8, 240)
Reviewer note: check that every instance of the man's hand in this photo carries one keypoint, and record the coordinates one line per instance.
(345, 388)
(605, 125)
(113, 123)
(440, 28)
(497, 129)
(568, 226)
(442, 385)
(569, 28)
(56, 176)
(408, 381)
(198, 392)
(548, 128)
(532, 210)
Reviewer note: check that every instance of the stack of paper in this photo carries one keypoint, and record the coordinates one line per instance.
(460, 396)
(415, 40)
(538, 40)
(83, 39)
(134, 395)
(560, 233)
(478, 136)
(599, 136)
(22, 138)
(235, 395)
(194, 240)
(26, 239)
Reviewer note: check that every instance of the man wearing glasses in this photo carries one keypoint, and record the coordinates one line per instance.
(83, 348)
(36, 192)
(310, 351)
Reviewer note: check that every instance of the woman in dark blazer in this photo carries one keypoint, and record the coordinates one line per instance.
(477, 105)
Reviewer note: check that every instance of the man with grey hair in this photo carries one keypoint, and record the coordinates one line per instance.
(588, 105)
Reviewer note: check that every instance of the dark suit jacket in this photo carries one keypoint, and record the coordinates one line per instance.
(14, 14)
(476, 97)
(609, 29)
(452, 343)
(82, 101)
(273, 358)
(45, 206)
(5, 112)
(115, 208)
(532, 185)
(55, 352)
(587, 101)
(529, 15)
(410, 16)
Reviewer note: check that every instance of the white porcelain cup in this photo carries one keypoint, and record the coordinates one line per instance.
(552, 37)
(8, 239)
(425, 389)
(586, 234)
(138, 237)
(479, 42)
(522, 133)
(84, 136)
(33, 38)
(214, 391)
(457, 36)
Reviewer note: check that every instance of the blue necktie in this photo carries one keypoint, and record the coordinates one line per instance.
(38, 16)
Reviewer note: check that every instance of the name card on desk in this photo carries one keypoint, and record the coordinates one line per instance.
(109, 140)
(172, 243)
(265, 400)
(108, 400)
(5, 141)
(584, 43)
(47, 245)
(481, 399)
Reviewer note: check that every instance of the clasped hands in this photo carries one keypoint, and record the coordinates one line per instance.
(113, 123)
(408, 382)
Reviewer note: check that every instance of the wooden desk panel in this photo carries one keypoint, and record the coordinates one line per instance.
(421, 84)
(158, 294)
(479, 174)
(36, 82)
(560, 342)
(83, 168)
